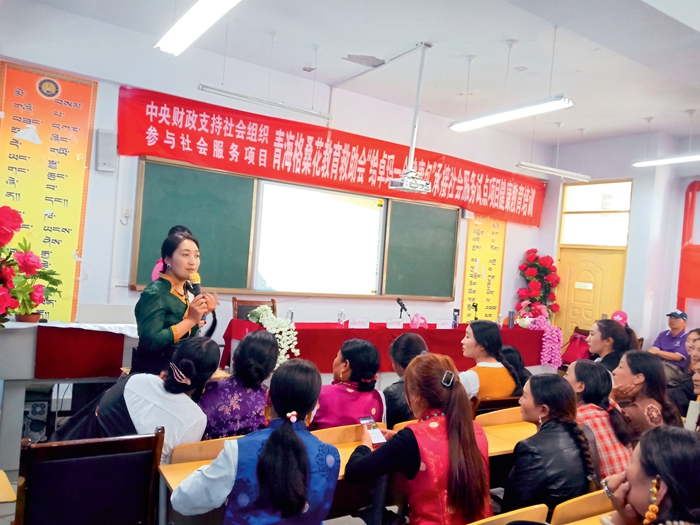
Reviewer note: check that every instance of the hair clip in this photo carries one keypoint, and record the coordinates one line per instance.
(610, 408)
(423, 352)
(448, 380)
(292, 416)
(368, 380)
(179, 376)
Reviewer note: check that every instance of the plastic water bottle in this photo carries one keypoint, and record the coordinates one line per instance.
(341, 319)
(290, 315)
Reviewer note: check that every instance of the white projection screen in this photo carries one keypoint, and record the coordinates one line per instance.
(317, 241)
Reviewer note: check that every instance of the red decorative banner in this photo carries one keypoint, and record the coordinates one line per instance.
(159, 125)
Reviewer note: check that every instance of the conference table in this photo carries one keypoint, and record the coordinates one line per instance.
(53, 353)
(350, 497)
(320, 342)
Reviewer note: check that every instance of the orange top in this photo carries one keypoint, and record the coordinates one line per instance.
(494, 382)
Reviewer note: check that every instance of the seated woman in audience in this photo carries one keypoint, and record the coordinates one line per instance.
(492, 377)
(613, 434)
(352, 394)
(401, 351)
(139, 403)
(662, 482)
(513, 356)
(683, 394)
(640, 379)
(164, 314)
(561, 460)
(609, 340)
(282, 474)
(444, 455)
(234, 406)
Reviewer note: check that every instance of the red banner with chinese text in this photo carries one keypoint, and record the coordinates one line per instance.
(160, 125)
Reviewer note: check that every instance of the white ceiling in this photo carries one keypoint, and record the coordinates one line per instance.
(621, 61)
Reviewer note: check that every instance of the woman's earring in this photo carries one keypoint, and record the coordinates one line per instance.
(266, 413)
(540, 420)
(308, 418)
(650, 516)
(167, 265)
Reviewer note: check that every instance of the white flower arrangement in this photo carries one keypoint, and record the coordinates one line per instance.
(282, 329)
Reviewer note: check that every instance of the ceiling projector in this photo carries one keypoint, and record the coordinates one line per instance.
(410, 181)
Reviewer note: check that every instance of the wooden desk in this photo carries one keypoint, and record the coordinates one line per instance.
(505, 437)
(502, 440)
(7, 495)
(593, 520)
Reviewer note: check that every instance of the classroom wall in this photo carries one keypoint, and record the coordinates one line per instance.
(653, 255)
(46, 37)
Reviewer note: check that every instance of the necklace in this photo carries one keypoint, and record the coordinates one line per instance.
(434, 414)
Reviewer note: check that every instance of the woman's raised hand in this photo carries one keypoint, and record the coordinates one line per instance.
(212, 300)
(198, 307)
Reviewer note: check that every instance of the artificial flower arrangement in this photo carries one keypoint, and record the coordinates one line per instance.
(538, 302)
(282, 329)
(21, 272)
(537, 299)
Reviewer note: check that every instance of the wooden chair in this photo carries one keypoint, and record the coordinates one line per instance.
(7, 495)
(500, 417)
(108, 481)
(491, 405)
(475, 402)
(344, 434)
(241, 309)
(402, 425)
(582, 331)
(580, 508)
(536, 513)
(199, 450)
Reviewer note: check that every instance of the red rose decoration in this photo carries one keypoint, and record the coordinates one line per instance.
(531, 272)
(28, 262)
(551, 297)
(37, 296)
(553, 268)
(536, 303)
(531, 251)
(523, 293)
(554, 308)
(8, 273)
(6, 300)
(522, 267)
(10, 223)
(546, 261)
(534, 294)
(518, 305)
(534, 286)
(531, 258)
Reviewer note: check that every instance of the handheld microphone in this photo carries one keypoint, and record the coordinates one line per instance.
(196, 282)
(403, 306)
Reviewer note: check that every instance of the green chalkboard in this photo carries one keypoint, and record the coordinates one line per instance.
(421, 248)
(216, 207)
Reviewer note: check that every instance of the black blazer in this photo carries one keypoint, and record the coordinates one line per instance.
(549, 468)
(397, 409)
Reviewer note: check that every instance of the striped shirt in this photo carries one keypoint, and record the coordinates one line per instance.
(614, 456)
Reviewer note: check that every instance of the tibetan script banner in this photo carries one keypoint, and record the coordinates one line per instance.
(45, 145)
(169, 127)
(483, 271)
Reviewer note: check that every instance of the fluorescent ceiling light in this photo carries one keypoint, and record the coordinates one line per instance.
(535, 108)
(196, 21)
(668, 160)
(553, 171)
(262, 101)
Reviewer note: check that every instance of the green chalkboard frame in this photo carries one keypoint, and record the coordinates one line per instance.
(420, 254)
(219, 207)
(388, 290)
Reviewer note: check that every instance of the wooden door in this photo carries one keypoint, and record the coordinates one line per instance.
(592, 283)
